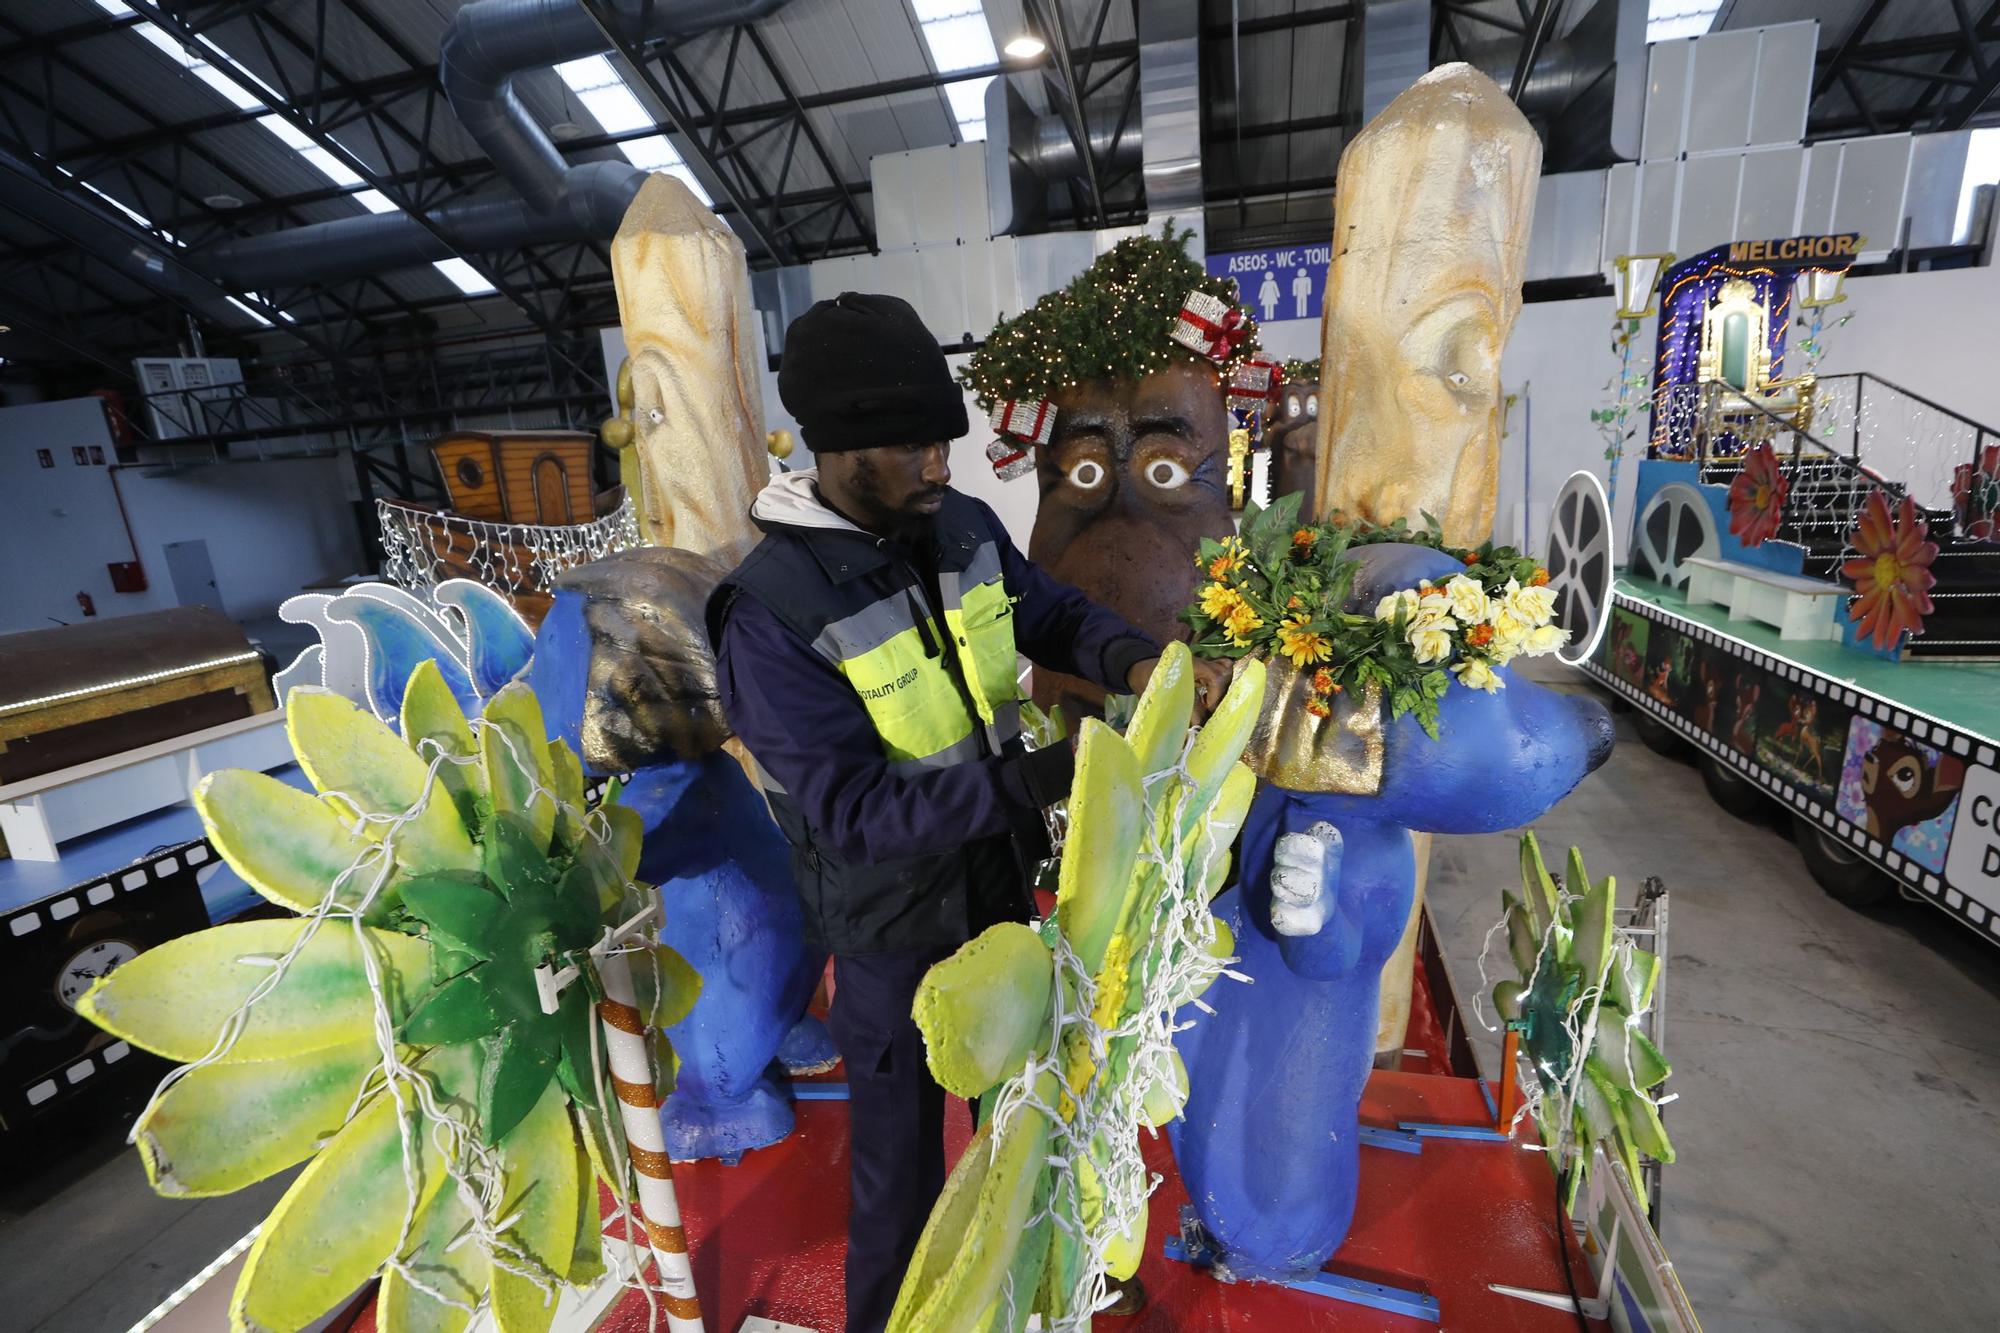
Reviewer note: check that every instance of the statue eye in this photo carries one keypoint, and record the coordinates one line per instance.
(1459, 379)
(1312, 404)
(1087, 475)
(1293, 407)
(1166, 474)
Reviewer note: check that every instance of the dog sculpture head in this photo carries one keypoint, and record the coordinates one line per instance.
(1500, 759)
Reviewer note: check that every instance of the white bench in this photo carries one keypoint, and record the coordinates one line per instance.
(1797, 607)
(38, 813)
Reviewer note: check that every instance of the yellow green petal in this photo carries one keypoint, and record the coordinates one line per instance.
(1107, 819)
(350, 755)
(431, 714)
(514, 751)
(542, 1185)
(225, 1126)
(174, 998)
(288, 844)
(1160, 719)
(342, 1217)
(985, 1009)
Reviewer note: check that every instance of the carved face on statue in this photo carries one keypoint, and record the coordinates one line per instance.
(1132, 479)
(1431, 219)
(1293, 439)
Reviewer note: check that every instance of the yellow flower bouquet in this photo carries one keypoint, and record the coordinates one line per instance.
(1280, 589)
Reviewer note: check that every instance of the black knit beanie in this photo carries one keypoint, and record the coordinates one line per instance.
(862, 371)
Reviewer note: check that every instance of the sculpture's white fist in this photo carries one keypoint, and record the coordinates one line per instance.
(1300, 896)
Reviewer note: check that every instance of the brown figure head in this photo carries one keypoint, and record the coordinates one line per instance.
(1292, 437)
(1131, 481)
(1115, 383)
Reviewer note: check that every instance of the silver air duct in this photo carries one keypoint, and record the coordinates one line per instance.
(488, 44)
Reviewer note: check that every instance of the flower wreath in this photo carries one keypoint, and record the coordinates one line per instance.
(1280, 588)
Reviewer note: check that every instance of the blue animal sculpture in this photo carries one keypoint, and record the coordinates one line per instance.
(1269, 1146)
(624, 674)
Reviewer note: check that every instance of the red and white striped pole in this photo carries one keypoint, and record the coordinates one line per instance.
(630, 1058)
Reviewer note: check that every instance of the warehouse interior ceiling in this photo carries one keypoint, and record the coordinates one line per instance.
(154, 145)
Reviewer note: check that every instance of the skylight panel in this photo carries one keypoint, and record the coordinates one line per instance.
(246, 92)
(611, 101)
(464, 276)
(1669, 19)
(958, 38)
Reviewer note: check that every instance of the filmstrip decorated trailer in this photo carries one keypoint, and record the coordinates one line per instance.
(1812, 600)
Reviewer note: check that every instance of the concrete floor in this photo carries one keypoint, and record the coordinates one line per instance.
(1838, 1077)
(1838, 1073)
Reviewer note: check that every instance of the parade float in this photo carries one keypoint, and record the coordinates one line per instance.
(1811, 607)
(515, 863)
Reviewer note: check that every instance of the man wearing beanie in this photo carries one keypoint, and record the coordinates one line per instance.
(865, 653)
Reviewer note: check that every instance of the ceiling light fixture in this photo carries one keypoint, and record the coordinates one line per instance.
(1025, 47)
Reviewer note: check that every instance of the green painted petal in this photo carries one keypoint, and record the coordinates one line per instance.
(1522, 942)
(575, 1021)
(1107, 814)
(517, 1067)
(459, 909)
(1164, 1100)
(465, 1008)
(542, 1185)
(1622, 1047)
(984, 1010)
(594, 879)
(1507, 997)
(1026, 1276)
(514, 751)
(679, 986)
(1537, 886)
(1160, 720)
(347, 752)
(627, 836)
(1634, 971)
(586, 1262)
(288, 844)
(967, 1248)
(173, 998)
(461, 1272)
(1649, 1135)
(225, 1126)
(343, 1215)
(567, 779)
(431, 714)
(515, 854)
(1220, 743)
(1591, 921)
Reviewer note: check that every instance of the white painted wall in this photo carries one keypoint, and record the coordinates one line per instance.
(271, 527)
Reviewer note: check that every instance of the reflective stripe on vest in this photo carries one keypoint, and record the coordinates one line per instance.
(916, 706)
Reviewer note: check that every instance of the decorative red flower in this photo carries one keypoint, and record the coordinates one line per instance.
(1891, 571)
(1757, 497)
(1975, 495)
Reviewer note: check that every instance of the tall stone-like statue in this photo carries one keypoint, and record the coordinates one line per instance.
(1431, 227)
(1110, 391)
(691, 340)
(1431, 217)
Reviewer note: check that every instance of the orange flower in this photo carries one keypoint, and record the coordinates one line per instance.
(1479, 635)
(1540, 580)
(1891, 572)
(1317, 707)
(1293, 603)
(1221, 565)
(1304, 538)
(1323, 682)
(1472, 557)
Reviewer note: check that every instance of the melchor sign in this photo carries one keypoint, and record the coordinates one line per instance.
(1797, 249)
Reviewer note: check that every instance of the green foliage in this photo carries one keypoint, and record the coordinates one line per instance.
(1110, 323)
(1582, 989)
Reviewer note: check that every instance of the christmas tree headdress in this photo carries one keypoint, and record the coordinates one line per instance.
(1142, 306)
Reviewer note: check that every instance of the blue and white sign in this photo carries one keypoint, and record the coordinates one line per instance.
(1277, 284)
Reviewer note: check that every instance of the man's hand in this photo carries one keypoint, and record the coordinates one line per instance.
(1211, 681)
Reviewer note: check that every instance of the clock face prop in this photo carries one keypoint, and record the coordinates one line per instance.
(88, 964)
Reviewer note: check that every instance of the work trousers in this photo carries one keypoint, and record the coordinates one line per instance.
(895, 1125)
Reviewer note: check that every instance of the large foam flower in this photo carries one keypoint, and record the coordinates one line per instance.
(1757, 497)
(1891, 571)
